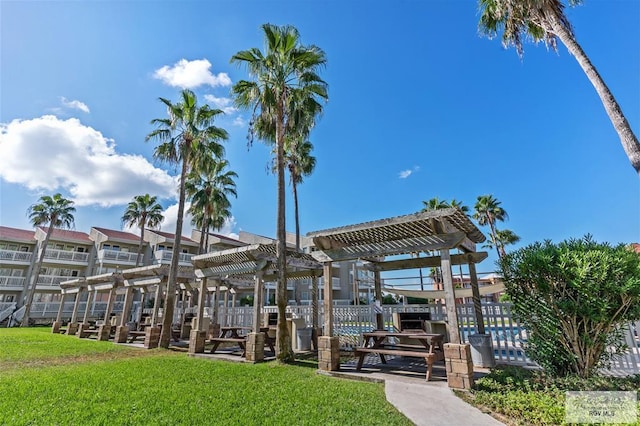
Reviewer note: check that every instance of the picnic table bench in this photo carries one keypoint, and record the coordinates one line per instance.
(428, 346)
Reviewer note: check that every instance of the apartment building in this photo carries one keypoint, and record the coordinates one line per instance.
(17, 254)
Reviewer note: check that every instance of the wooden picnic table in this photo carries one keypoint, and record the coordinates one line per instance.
(238, 334)
(421, 345)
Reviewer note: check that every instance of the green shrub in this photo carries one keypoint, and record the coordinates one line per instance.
(573, 298)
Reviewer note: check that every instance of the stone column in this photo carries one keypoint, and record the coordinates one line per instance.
(255, 347)
(457, 358)
(151, 337)
(328, 346)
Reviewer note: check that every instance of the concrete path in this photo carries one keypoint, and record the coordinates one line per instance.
(433, 403)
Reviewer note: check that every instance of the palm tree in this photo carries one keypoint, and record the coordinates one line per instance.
(57, 212)
(300, 163)
(487, 212)
(180, 137)
(285, 81)
(209, 188)
(544, 20)
(504, 237)
(434, 204)
(143, 212)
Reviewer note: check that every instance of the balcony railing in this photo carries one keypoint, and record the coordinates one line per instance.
(165, 256)
(7, 281)
(115, 256)
(52, 280)
(66, 256)
(15, 256)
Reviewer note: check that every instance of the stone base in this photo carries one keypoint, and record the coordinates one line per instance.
(104, 332)
(81, 328)
(196, 341)
(72, 328)
(255, 347)
(122, 332)
(459, 365)
(55, 328)
(328, 353)
(151, 337)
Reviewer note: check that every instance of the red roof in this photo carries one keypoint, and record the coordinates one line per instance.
(65, 234)
(173, 236)
(7, 233)
(120, 235)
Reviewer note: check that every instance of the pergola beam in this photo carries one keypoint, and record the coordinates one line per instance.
(425, 262)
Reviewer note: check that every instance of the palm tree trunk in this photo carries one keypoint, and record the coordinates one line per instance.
(169, 301)
(493, 235)
(295, 205)
(203, 229)
(34, 276)
(284, 351)
(628, 139)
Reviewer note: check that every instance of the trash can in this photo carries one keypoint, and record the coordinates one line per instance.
(304, 338)
(482, 350)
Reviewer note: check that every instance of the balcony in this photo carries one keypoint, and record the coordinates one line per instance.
(51, 282)
(66, 256)
(116, 256)
(164, 257)
(15, 257)
(9, 283)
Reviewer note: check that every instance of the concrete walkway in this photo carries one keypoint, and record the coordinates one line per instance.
(434, 403)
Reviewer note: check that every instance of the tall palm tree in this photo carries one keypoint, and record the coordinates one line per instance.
(143, 212)
(57, 212)
(209, 188)
(180, 137)
(544, 20)
(284, 80)
(300, 163)
(504, 237)
(487, 212)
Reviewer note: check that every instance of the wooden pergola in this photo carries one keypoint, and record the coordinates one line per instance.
(248, 267)
(434, 233)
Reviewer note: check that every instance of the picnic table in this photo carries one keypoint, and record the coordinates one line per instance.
(238, 334)
(420, 345)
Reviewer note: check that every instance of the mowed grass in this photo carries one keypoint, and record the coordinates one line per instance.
(78, 381)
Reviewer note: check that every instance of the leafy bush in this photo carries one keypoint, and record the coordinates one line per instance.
(573, 298)
(534, 398)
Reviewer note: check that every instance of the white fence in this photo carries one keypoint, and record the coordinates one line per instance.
(351, 321)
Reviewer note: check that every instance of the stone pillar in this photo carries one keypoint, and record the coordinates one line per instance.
(55, 328)
(122, 331)
(151, 337)
(328, 353)
(104, 332)
(197, 339)
(328, 301)
(81, 328)
(255, 347)
(457, 358)
(72, 328)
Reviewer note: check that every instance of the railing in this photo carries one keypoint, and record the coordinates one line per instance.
(15, 256)
(6, 281)
(106, 255)
(165, 256)
(16, 317)
(51, 280)
(66, 256)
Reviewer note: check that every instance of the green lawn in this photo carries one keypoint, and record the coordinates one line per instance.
(48, 379)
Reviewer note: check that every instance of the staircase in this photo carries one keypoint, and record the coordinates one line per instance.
(15, 319)
(6, 313)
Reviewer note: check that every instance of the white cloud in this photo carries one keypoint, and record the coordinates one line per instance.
(408, 172)
(171, 215)
(74, 104)
(221, 103)
(239, 121)
(191, 74)
(47, 153)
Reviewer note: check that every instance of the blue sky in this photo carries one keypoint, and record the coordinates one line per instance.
(420, 106)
